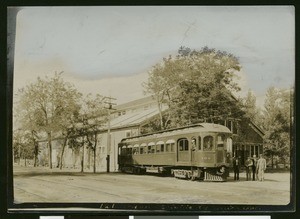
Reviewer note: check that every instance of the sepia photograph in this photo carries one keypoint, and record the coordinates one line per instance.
(154, 105)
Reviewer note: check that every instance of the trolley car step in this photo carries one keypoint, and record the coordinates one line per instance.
(213, 178)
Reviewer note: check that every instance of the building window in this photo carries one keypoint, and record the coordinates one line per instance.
(235, 127)
(256, 151)
(134, 133)
(232, 126)
(128, 134)
(146, 107)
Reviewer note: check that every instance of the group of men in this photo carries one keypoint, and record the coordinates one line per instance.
(254, 167)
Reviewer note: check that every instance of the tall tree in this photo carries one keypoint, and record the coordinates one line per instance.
(43, 106)
(94, 118)
(68, 130)
(196, 86)
(250, 108)
(23, 145)
(278, 122)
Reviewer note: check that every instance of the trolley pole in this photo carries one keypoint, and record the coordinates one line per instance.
(109, 108)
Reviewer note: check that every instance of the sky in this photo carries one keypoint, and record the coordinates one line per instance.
(110, 49)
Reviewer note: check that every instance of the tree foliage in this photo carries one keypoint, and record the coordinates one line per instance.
(252, 112)
(277, 122)
(94, 117)
(196, 86)
(24, 145)
(46, 106)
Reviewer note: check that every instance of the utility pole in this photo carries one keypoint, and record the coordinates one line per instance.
(109, 108)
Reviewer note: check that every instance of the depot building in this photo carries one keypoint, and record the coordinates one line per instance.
(131, 119)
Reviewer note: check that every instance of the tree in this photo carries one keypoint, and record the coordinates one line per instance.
(69, 129)
(75, 142)
(277, 123)
(250, 108)
(195, 86)
(94, 117)
(23, 145)
(44, 105)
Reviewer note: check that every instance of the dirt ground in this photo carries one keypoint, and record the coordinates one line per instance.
(44, 185)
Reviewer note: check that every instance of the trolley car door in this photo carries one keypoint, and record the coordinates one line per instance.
(183, 153)
(220, 150)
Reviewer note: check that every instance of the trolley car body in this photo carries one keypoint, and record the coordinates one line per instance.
(194, 152)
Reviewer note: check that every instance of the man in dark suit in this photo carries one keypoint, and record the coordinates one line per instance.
(254, 161)
(236, 168)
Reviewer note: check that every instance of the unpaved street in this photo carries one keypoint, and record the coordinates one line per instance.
(43, 185)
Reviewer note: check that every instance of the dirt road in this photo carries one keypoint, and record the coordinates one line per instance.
(43, 185)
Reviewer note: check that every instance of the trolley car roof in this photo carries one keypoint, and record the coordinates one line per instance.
(201, 127)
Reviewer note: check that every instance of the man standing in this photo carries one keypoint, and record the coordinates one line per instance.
(236, 168)
(248, 165)
(261, 167)
(254, 167)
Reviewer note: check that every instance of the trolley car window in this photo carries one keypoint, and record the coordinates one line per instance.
(151, 148)
(135, 149)
(199, 143)
(220, 142)
(160, 146)
(123, 150)
(183, 144)
(229, 145)
(194, 144)
(143, 148)
(170, 145)
(129, 150)
(208, 143)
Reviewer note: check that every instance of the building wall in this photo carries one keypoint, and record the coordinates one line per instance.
(116, 137)
(72, 158)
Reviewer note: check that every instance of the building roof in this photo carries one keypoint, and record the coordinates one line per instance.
(133, 118)
(257, 129)
(135, 103)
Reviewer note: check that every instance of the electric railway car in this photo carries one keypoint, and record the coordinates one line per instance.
(200, 151)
